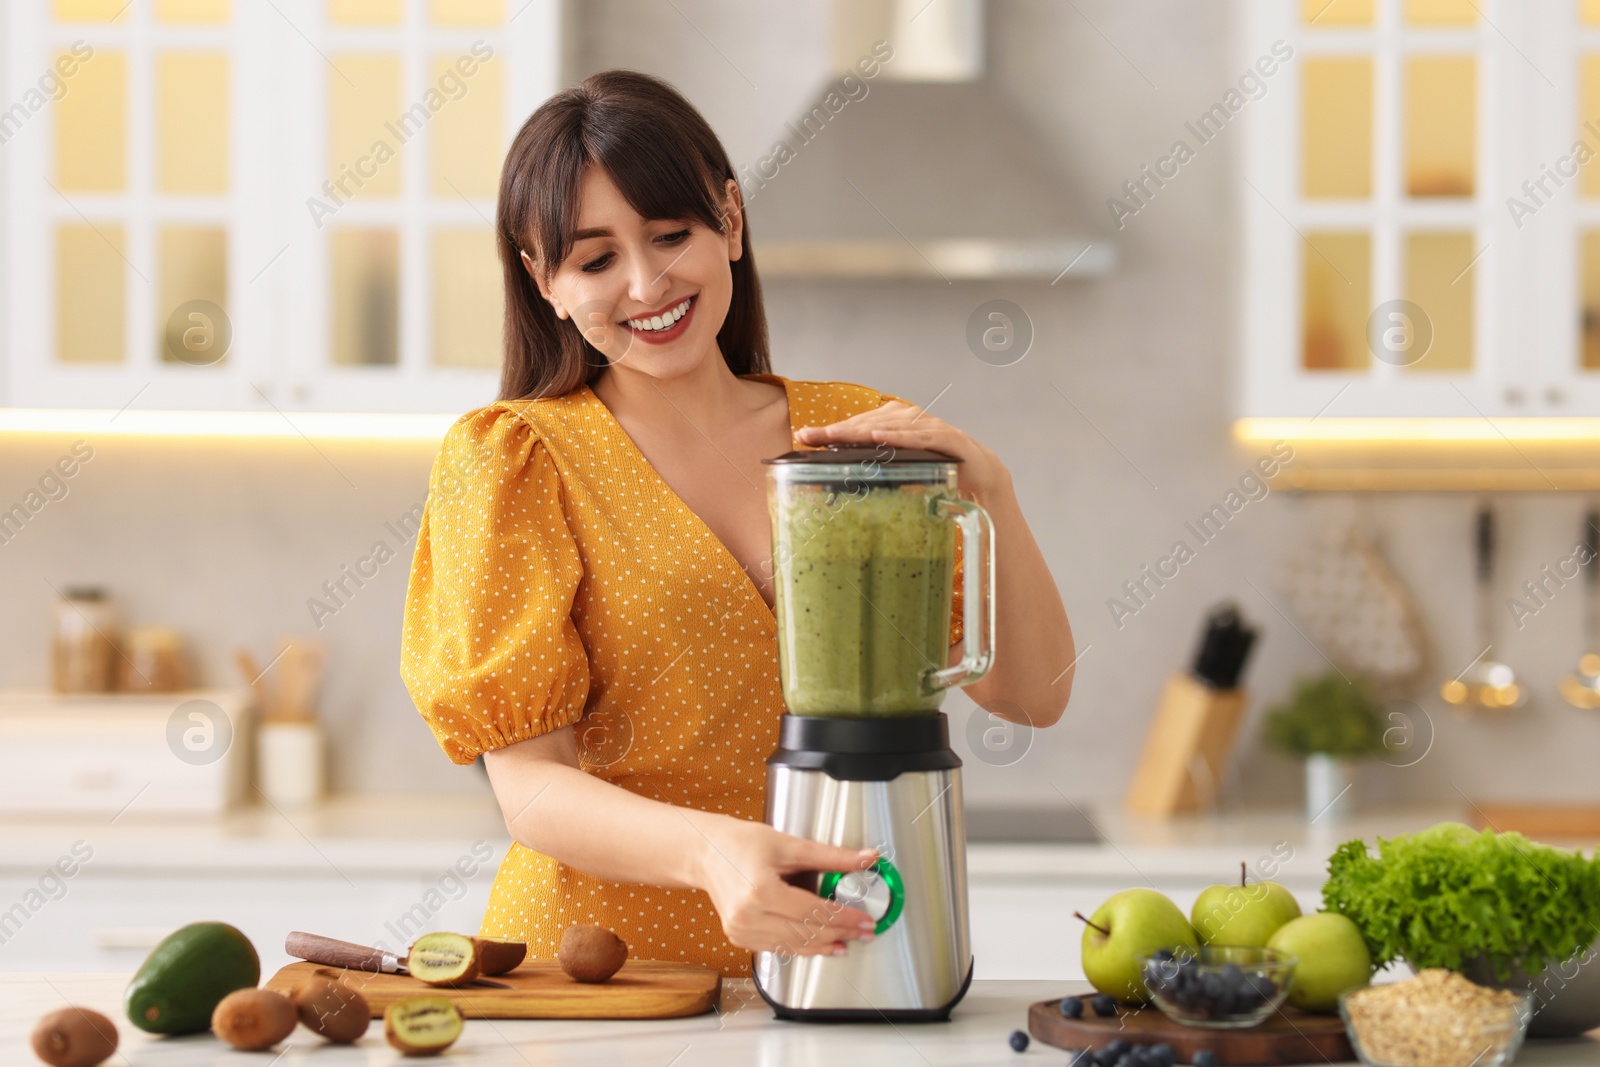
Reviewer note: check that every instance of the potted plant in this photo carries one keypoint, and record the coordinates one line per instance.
(1331, 721)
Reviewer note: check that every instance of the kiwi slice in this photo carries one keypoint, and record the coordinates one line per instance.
(496, 955)
(422, 1026)
(591, 953)
(254, 1019)
(331, 1009)
(443, 959)
(74, 1037)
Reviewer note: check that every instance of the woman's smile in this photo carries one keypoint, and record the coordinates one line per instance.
(667, 324)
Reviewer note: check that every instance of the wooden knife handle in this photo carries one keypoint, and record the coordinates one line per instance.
(334, 953)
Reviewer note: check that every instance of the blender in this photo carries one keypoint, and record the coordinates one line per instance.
(864, 556)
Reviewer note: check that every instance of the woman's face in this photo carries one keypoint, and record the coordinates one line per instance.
(649, 294)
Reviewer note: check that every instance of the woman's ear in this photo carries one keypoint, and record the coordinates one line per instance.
(733, 211)
(544, 289)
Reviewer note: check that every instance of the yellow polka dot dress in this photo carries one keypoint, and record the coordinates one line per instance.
(559, 581)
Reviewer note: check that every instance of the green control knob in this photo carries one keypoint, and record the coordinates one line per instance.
(878, 890)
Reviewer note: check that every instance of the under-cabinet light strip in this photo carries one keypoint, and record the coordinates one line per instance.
(1400, 430)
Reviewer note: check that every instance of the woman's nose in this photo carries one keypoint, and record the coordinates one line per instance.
(648, 278)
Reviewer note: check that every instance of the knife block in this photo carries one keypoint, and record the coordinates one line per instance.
(1187, 748)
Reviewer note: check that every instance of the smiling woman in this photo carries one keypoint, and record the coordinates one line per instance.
(624, 141)
(591, 601)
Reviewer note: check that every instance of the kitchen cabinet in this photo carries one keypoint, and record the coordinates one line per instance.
(1026, 930)
(1419, 238)
(112, 923)
(94, 892)
(262, 207)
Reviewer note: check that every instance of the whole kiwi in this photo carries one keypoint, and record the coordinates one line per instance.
(74, 1037)
(331, 1009)
(591, 953)
(254, 1019)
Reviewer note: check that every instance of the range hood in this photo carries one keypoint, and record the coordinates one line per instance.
(920, 171)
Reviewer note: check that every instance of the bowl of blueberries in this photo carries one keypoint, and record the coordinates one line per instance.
(1221, 987)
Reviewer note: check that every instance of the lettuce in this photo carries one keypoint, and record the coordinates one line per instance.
(1449, 895)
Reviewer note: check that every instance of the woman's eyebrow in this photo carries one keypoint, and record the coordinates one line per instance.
(596, 231)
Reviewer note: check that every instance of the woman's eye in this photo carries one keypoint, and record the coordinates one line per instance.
(599, 263)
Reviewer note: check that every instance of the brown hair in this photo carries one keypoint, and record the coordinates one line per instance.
(667, 163)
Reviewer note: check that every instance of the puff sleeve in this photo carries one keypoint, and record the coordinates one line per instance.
(489, 651)
(958, 600)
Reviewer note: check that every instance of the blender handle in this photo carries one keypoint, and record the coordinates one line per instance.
(977, 537)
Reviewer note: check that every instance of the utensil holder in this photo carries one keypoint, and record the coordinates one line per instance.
(1186, 750)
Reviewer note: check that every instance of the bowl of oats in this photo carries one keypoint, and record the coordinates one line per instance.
(1436, 1019)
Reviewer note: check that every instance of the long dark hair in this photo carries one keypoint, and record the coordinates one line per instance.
(667, 163)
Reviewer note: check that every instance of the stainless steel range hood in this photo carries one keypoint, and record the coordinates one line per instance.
(920, 171)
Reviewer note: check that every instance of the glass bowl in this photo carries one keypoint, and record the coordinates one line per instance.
(1397, 1037)
(1219, 987)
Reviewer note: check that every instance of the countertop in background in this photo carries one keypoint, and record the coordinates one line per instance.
(410, 833)
(381, 870)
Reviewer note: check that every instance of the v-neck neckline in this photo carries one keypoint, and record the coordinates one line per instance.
(768, 611)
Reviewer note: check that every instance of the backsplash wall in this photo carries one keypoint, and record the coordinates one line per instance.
(1115, 426)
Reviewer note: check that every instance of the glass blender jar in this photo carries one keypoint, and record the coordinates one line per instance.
(863, 549)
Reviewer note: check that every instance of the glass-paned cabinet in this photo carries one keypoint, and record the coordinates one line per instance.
(243, 205)
(1418, 173)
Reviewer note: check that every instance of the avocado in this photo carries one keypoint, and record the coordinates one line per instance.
(186, 976)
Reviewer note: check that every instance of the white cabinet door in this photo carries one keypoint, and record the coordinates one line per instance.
(105, 258)
(111, 922)
(1026, 930)
(1344, 285)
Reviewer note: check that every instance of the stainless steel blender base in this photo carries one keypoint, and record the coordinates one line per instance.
(919, 966)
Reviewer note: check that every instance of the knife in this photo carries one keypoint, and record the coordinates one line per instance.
(315, 948)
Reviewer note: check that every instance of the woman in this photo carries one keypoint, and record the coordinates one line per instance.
(590, 605)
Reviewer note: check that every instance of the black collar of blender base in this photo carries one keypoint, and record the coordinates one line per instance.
(863, 749)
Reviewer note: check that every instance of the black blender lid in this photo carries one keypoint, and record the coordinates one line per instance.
(863, 453)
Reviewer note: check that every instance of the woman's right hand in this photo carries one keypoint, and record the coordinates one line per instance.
(742, 866)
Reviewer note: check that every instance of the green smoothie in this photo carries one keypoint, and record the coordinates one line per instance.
(864, 584)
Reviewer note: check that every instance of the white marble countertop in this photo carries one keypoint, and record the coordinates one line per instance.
(375, 834)
(742, 1033)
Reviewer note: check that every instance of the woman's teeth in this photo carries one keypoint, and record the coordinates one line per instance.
(661, 322)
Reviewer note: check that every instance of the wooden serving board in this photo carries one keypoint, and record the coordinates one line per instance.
(643, 989)
(1288, 1036)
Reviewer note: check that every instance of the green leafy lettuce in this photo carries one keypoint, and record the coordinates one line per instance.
(1450, 894)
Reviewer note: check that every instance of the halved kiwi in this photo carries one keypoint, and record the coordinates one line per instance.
(443, 959)
(422, 1026)
(332, 1009)
(591, 953)
(496, 955)
(254, 1019)
(74, 1037)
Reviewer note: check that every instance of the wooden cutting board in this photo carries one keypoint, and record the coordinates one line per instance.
(643, 989)
(1286, 1037)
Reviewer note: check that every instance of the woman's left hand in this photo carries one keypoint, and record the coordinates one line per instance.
(899, 425)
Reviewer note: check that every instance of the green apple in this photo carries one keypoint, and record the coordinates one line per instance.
(1132, 923)
(1242, 915)
(1333, 958)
